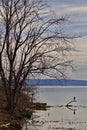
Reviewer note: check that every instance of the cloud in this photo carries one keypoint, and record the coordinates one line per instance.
(79, 9)
(76, 10)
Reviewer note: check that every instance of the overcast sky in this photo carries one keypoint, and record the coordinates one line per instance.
(76, 11)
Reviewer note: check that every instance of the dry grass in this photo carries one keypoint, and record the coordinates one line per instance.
(24, 109)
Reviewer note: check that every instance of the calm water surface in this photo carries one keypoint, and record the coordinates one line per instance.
(59, 117)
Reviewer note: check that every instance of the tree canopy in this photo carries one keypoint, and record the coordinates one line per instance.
(31, 44)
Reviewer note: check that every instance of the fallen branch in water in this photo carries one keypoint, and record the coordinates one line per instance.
(69, 103)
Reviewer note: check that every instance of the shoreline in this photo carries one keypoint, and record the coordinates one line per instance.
(7, 122)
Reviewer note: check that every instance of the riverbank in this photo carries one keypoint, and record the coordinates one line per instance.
(23, 111)
(16, 121)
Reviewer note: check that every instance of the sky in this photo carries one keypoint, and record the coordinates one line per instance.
(76, 11)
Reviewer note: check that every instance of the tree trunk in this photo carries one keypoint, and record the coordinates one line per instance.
(10, 108)
(11, 105)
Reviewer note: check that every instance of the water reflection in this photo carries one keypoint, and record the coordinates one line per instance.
(72, 109)
(61, 117)
(57, 118)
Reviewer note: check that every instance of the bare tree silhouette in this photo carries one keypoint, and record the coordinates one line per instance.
(31, 44)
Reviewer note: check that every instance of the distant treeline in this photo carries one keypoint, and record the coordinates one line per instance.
(56, 82)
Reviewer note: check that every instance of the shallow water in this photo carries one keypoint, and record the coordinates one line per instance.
(59, 117)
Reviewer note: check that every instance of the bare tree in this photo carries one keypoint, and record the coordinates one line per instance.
(31, 44)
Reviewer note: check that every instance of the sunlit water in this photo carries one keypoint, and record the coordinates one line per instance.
(59, 117)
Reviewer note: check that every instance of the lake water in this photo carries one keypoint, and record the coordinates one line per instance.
(60, 117)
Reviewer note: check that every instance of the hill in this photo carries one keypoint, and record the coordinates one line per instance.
(46, 82)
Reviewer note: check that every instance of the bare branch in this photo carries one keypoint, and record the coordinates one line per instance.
(31, 44)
